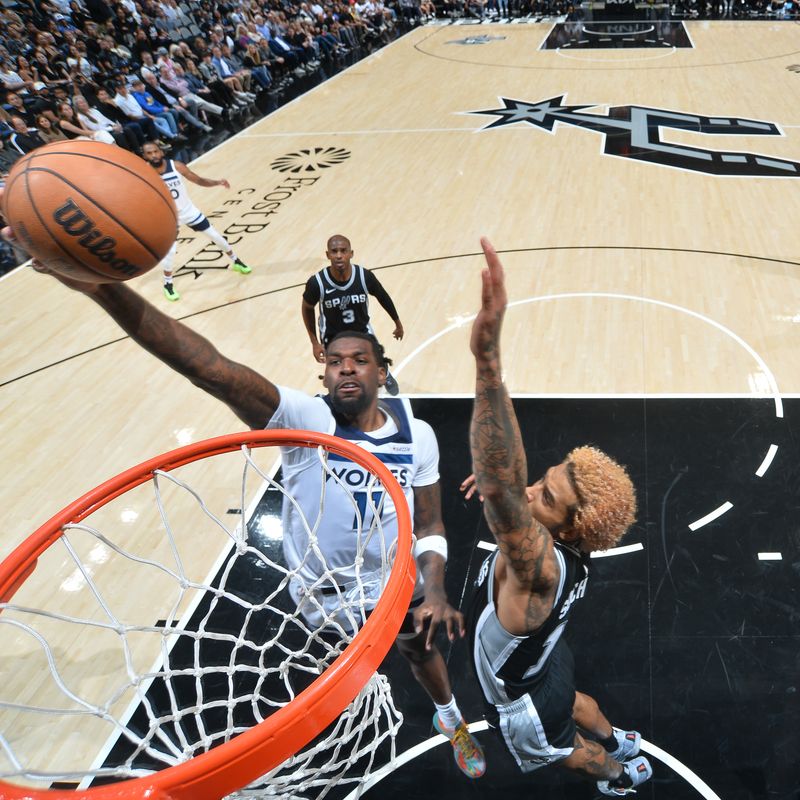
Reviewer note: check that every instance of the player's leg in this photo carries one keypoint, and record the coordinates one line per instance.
(621, 745)
(430, 671)
(593, 761)
(166, 268)
(207, 229)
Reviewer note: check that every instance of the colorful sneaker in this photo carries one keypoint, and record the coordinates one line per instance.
(628, 743)
(638, 770)
(391, 385)
(170, 293)
(239, 266)
(466, 750)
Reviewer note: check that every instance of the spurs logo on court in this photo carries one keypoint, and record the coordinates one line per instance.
(635, 132)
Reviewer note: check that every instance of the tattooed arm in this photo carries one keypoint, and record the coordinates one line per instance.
(498, 457)
(249, 395)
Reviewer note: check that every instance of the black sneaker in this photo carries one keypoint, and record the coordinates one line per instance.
(391, 385)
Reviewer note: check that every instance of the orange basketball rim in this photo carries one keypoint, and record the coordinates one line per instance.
(246, 757)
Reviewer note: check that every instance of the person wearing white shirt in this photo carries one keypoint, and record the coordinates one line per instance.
(94, 120)
(154, 127)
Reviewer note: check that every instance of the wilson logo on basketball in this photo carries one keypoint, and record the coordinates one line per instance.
(75, 222)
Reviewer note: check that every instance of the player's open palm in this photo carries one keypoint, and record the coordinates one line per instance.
(488, 322)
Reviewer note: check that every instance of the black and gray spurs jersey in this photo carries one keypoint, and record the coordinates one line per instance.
(342, 306)
(508, 666)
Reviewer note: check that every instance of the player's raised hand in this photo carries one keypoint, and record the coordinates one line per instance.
(485, 338)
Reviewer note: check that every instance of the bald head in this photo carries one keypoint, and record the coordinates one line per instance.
(338, 240)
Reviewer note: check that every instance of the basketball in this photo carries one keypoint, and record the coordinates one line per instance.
(90, 211)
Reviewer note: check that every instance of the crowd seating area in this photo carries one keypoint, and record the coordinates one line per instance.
(192, 73)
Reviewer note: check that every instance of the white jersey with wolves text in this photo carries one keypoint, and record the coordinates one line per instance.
(188, 212)
(405, 444)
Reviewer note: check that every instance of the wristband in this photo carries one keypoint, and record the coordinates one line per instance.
(431, 544)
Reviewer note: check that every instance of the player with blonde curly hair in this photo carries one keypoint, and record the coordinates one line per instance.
(526, 589)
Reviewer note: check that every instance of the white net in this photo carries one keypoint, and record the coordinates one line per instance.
(145, 638)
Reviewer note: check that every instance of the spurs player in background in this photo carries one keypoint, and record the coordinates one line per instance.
(173, 172)
(526, 588)
(341, 291)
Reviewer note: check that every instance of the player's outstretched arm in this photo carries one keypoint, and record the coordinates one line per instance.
(249, 395)
(498, 457)
(198, 179)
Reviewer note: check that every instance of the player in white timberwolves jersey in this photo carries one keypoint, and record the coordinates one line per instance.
(173, 173)
(354, 373)
(341, 292)
(526, 589)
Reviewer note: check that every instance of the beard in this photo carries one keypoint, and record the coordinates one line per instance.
(157, 163)
(351, 407)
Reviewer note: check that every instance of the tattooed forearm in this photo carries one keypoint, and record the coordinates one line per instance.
(500, 468)
(497, 454)
(249, 395)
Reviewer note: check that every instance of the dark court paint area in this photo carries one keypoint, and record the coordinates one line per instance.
(692, 640)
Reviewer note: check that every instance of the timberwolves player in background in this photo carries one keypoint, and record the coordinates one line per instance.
(342, 292)
(526, 588)
(173, 172)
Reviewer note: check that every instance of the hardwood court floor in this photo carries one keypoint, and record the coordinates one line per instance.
(627, 278)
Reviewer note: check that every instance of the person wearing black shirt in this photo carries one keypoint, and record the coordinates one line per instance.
(341, 290)
(23, 140)
(105, 105)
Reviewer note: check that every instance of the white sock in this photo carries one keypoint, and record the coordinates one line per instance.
(167, 280)
(449, 714)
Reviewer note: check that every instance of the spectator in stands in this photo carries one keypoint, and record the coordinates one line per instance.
(49, 130)
(134, 131)
(10, 80)
(28, 73)
(253, 60)
(177, 84)
(218, 91)
(77, 62)
(73, 129)
(133, 110)
(183, 108)
(148, 65)
(225, 69)
(94, 120)
(23, 139)
(52, 73)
